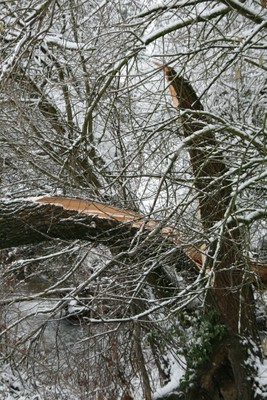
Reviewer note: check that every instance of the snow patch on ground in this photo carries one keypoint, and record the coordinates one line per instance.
(262, 380)
(176, 374)
(13, 386)
(16, 386)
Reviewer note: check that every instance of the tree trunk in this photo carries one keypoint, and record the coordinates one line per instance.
(227, 375)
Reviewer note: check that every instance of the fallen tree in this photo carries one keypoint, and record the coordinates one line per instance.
(30, 221)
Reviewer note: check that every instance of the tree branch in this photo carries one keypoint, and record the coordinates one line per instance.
(25, 222)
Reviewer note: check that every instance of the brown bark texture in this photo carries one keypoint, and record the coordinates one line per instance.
(24, 222)
(226, 375)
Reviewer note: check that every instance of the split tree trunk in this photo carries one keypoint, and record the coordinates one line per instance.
(227, 375)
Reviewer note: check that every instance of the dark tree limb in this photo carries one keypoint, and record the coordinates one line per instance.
(25, 222)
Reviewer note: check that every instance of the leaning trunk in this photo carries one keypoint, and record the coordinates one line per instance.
(227, 374)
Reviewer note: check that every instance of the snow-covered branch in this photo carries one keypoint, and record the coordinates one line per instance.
(203, 17)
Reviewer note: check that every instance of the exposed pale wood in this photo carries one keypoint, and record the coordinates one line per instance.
(27, 222)
(24, 222)
(136, 220)
(107, 211)
(40, 219)
(90, 207)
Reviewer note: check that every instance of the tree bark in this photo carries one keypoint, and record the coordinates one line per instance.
(24, 222)
(231, 294)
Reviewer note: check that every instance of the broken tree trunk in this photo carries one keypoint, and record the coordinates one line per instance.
(30, 221)
(227, 374)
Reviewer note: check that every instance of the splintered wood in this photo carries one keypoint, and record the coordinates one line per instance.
(136, 220)
(93, 208)
(103, 210)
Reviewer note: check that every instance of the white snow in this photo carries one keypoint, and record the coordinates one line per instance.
(262, 379)
(180, 23)
(176, 374)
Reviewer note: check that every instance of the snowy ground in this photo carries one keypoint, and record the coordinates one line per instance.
(16, 384)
